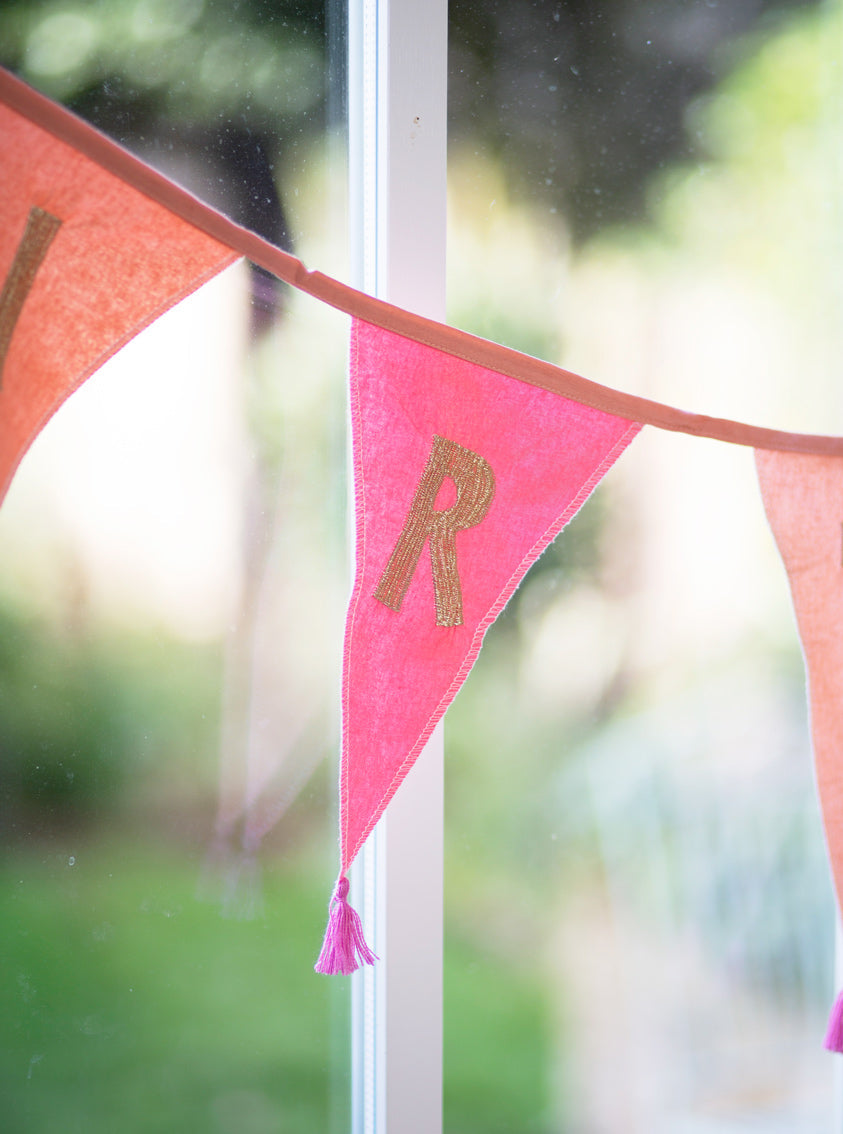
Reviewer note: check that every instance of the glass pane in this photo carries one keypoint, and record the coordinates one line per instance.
(172, 583)
(639, 914)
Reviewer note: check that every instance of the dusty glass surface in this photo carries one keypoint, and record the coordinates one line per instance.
(639, 916)
(639, 913)
(172, 579)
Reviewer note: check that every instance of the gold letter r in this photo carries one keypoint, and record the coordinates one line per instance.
(475, 484)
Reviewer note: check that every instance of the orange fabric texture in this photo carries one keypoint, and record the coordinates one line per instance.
(803, 498)
(110, 262)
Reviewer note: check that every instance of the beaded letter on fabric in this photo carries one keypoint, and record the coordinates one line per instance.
(475, 484)
(38, 235)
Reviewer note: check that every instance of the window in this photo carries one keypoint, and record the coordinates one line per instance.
(638, 922)
(398, 136)
(172, 597)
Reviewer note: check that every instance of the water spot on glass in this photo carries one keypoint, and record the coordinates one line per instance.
(154, 906)
(241, 1110)
(33, 1061)
(103, 932)
(27, 990)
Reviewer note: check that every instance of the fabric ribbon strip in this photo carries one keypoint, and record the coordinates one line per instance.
(72, 130)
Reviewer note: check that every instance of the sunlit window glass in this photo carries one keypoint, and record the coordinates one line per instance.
(171, 591)
(640, 926)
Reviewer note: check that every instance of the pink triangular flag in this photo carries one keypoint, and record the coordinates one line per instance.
(803, 498)
(462, 478)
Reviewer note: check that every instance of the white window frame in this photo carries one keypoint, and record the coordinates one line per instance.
(397, 90)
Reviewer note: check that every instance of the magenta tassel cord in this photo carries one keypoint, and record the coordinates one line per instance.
(344, 947)
(834, 1035)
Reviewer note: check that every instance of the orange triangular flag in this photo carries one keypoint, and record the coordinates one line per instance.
(86, 262)
(803, 498)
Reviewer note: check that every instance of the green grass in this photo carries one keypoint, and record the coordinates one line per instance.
(128, 1005)
(496, 1046)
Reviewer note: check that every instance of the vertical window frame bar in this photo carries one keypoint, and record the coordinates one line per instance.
(397, 196)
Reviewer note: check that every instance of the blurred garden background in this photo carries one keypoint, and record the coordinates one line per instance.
(640, 924)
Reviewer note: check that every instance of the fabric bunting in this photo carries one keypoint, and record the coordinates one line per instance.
(462, 478)
(803, 498)
(469, 457)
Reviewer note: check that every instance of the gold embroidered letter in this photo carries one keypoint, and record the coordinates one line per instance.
(40, 229)
(475, 484)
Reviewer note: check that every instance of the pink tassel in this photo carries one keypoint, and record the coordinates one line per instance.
(344, 942)
(834, 1035)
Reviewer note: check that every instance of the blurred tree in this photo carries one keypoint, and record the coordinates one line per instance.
(582, 101)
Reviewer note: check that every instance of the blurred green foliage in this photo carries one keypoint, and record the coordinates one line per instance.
(87, 718)
(579, 102)
(495, 1079)
(183, 60)
(127, 1004)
